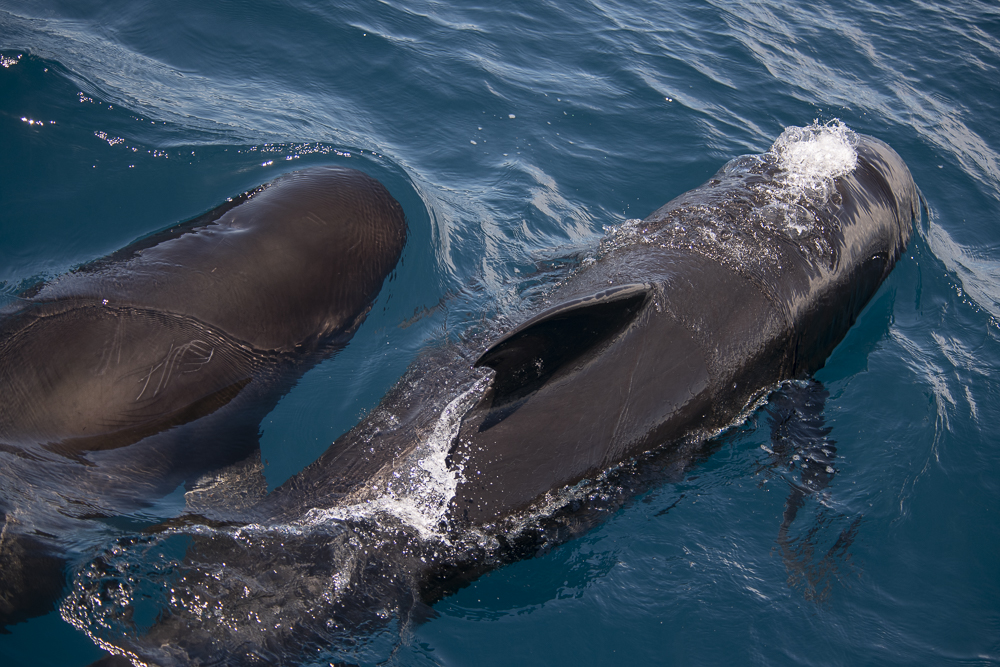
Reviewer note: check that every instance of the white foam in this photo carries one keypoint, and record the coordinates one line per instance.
(419, 490)
(811, 157)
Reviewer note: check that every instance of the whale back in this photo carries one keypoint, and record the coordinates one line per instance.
(746, 282)
(281, 268)
(176, 325)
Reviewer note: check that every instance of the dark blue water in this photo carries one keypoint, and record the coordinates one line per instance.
(513, 133)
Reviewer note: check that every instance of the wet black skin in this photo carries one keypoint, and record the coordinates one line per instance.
(144, 369)
(660, 343)
(710, 334)
(666, 339)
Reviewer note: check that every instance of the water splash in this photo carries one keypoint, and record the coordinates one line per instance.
(808, 160)
(811, 157)
(778, 192)
(817, 151)
(418, 491)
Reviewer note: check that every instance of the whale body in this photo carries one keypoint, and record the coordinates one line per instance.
(104, 355)
(680, 325)
(144, 369)
(684, 320)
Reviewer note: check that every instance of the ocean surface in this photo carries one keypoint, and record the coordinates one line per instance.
(515, 134)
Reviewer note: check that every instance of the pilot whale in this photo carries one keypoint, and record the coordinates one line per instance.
(684, 320)
(492, 447)
(146, 368)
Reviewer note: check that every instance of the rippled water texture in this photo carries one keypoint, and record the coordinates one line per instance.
(515, 135)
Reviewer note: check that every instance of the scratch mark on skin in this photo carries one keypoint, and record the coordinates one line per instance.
(113, 353)
(312, 217)
(150, 375)
(119, 340)
(175, 358)
(623, 414)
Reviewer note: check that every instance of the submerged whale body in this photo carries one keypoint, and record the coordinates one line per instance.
(144, 369)
(679, 325)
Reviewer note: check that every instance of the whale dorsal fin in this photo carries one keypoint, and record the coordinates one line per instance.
(530, 354)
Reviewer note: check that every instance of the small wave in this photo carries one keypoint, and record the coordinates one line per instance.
(976, 269)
